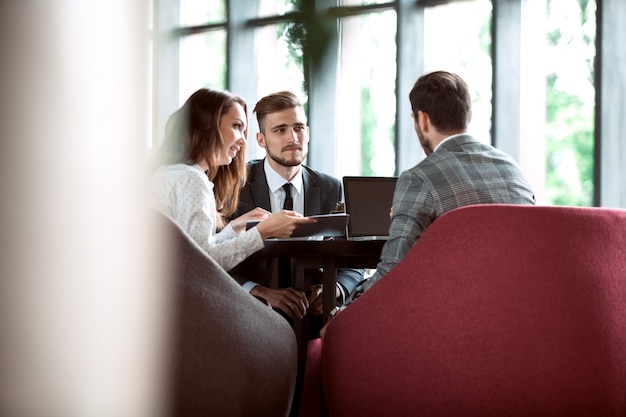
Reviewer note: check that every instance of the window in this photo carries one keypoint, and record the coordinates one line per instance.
(530, 65)
(202, 62)
(570, 99)
(278, 67)
(366, 108)
(201, 12)
(467, 52)
(202, 51)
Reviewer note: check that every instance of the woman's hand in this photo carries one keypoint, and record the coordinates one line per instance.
(281, 224)
(239, 224)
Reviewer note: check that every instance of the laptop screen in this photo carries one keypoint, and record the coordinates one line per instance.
(368, 201)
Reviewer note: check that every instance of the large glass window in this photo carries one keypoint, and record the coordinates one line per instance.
(365, 2)
(570, 98)
(278, 67)
(544, 57)
(366, 106)
(202, 54)
(457, 38)
(201, 12)
(202, 62)
(278, 61)
(276, 7)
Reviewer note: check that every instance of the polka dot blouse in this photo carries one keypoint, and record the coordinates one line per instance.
(184, 193)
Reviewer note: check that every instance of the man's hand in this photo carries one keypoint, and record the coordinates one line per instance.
(293, 302)
(333, 314)
(316, 300)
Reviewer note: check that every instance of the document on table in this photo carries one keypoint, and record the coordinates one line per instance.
(325, 226)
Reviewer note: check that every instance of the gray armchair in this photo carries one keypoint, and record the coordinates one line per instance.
(231, 354)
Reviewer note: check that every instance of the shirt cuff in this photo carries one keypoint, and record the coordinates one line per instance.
(342, 294)
(249, 285)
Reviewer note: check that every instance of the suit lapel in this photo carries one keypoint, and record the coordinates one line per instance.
(312, 197)
(259, 187)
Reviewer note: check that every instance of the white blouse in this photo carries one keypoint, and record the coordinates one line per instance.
(184, 193)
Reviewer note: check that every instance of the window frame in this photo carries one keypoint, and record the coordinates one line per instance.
(509, 31)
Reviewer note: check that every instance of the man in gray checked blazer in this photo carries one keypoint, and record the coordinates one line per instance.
(457, 171)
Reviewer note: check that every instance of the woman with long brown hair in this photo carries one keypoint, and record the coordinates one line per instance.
(201, 168)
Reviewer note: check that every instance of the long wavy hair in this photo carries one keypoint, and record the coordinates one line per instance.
(192, 134)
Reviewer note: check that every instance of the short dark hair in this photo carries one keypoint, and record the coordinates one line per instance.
(272, 103)
(445, 98)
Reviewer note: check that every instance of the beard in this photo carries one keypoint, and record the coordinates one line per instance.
(427, 146)
(295, 160)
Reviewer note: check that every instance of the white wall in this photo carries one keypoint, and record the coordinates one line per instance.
(81, 307)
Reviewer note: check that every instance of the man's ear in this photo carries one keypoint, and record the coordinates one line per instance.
(423, 120)
(260, 139)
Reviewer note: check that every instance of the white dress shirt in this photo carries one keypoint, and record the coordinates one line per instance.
(184, 193)
(275, 184)
(277, 195)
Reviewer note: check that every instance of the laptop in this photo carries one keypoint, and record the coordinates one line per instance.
(368, 202)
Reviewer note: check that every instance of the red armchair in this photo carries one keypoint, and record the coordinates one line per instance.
(496, 311)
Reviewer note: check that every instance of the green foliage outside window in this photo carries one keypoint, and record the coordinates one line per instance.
(570, 104)
(368, 124)
(307, 37)
(569, 125)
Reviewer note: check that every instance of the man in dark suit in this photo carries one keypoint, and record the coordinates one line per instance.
(458, 170)
(281, 181)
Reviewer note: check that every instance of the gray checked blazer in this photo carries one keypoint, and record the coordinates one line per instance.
(461, 172)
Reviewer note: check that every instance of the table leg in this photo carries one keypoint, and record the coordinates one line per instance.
(329, 279)
(272, 269)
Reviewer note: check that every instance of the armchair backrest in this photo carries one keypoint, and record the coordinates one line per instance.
(231, 354)
(497, 310)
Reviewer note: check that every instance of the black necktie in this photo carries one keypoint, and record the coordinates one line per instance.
(288, 205)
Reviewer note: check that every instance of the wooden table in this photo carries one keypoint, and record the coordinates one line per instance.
(328, 254)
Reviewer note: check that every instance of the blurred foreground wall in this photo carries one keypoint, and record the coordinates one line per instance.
(82, 304)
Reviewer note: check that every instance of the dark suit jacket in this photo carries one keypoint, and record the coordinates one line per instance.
(322, 192)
